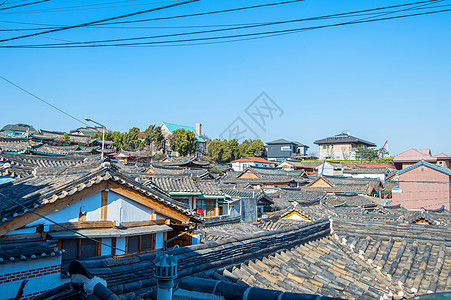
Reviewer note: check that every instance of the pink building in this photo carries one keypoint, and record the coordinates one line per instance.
(412, 156)
(423, 185)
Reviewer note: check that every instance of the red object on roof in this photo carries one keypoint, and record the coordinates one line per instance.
(200, 211)
(253, 159)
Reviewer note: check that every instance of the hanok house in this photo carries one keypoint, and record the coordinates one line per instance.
(340, 146)
(120, 216)
(248, 161)
(264, 178)
(423, 185)
(337, 184)
(202, 196)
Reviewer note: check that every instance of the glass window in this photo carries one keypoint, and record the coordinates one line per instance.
(324, 146)
(207, 206)
(70, 249)
(133, 243)
(88, 248)
(147, 242)
(285, 148)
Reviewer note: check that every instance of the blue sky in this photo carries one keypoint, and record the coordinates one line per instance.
(379, 81)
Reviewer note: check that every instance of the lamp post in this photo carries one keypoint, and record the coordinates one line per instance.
(103, 134)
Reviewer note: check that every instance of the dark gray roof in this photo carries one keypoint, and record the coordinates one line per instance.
(28, 250)
(343, 138)
(19, 127)
(48, 185)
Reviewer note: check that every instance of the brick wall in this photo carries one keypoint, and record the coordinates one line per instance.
(5, 278)
(423, 187)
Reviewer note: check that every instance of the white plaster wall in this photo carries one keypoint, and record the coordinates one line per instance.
(121, 209)
(328, 169)
(42, 283)
(381, 177)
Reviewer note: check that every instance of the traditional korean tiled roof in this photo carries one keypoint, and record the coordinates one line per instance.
(363, 170)
(28, 250)
(299, 195)
(265, 176)
(48, 185)
(346, 185)
(343, 138)
(18, 127)
(304, 164)
(412, 256)
(15, 144)
(350, 199)
(254, 159)
(134, 275)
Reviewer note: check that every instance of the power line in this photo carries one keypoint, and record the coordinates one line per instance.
(252, 35)
(42, 100)
(25, 4)
(87, 7)
(99, 21)
(237, 28)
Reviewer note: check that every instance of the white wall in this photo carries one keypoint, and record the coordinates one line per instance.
(35, 284)
(120, 209)
(381, 177)
(327, 170)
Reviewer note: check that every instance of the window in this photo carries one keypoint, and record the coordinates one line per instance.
(324, 146)
(207, 206)
(285, 148)
(79, 248)
(140, 243)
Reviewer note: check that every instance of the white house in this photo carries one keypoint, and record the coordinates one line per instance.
(119, 215)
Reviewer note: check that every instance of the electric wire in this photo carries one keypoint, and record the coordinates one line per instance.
(100, 21)
(256, 34)
(42, 100)
(226, 29)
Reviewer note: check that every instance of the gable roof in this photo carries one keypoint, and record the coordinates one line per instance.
(343, 138)
(18, 127)
(50, 185)
(442, 155)
(415, 155)
(284, 141)
(426, 164)
(172, 127)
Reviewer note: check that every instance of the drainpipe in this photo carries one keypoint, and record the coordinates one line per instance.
(165, 272)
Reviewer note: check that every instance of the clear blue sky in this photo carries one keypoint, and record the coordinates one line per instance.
(386, 80)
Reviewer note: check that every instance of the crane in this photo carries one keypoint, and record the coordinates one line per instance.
(382, 149)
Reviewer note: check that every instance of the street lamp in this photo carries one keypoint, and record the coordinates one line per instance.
(103, 134)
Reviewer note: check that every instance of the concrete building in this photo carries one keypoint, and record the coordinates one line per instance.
(246, 162)
(341, 146)
(281, 149)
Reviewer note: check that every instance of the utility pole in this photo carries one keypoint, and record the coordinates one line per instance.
(103, 134)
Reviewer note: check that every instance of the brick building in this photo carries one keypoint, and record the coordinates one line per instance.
(423, 185)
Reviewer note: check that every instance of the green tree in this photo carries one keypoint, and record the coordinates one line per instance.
(252, 148)
(132, 139)
(231, 150)
(154, 137)
(364, 153)
(183, 141)
(215, 150)
(66, 138)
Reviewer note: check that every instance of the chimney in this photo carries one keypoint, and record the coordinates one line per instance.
(199, 129)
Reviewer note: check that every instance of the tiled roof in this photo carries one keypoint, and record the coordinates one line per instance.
(343, 138)
(48, 185)
(348, 200)
(28, 250)
(410, 255)
(414, 155)
(346, 184)
(172, 127)
(426, 164)
(18, 127)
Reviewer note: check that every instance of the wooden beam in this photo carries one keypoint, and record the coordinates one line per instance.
(142, 223)
(50, 208)
(82, 225)
(104, 206)
(145, 200)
